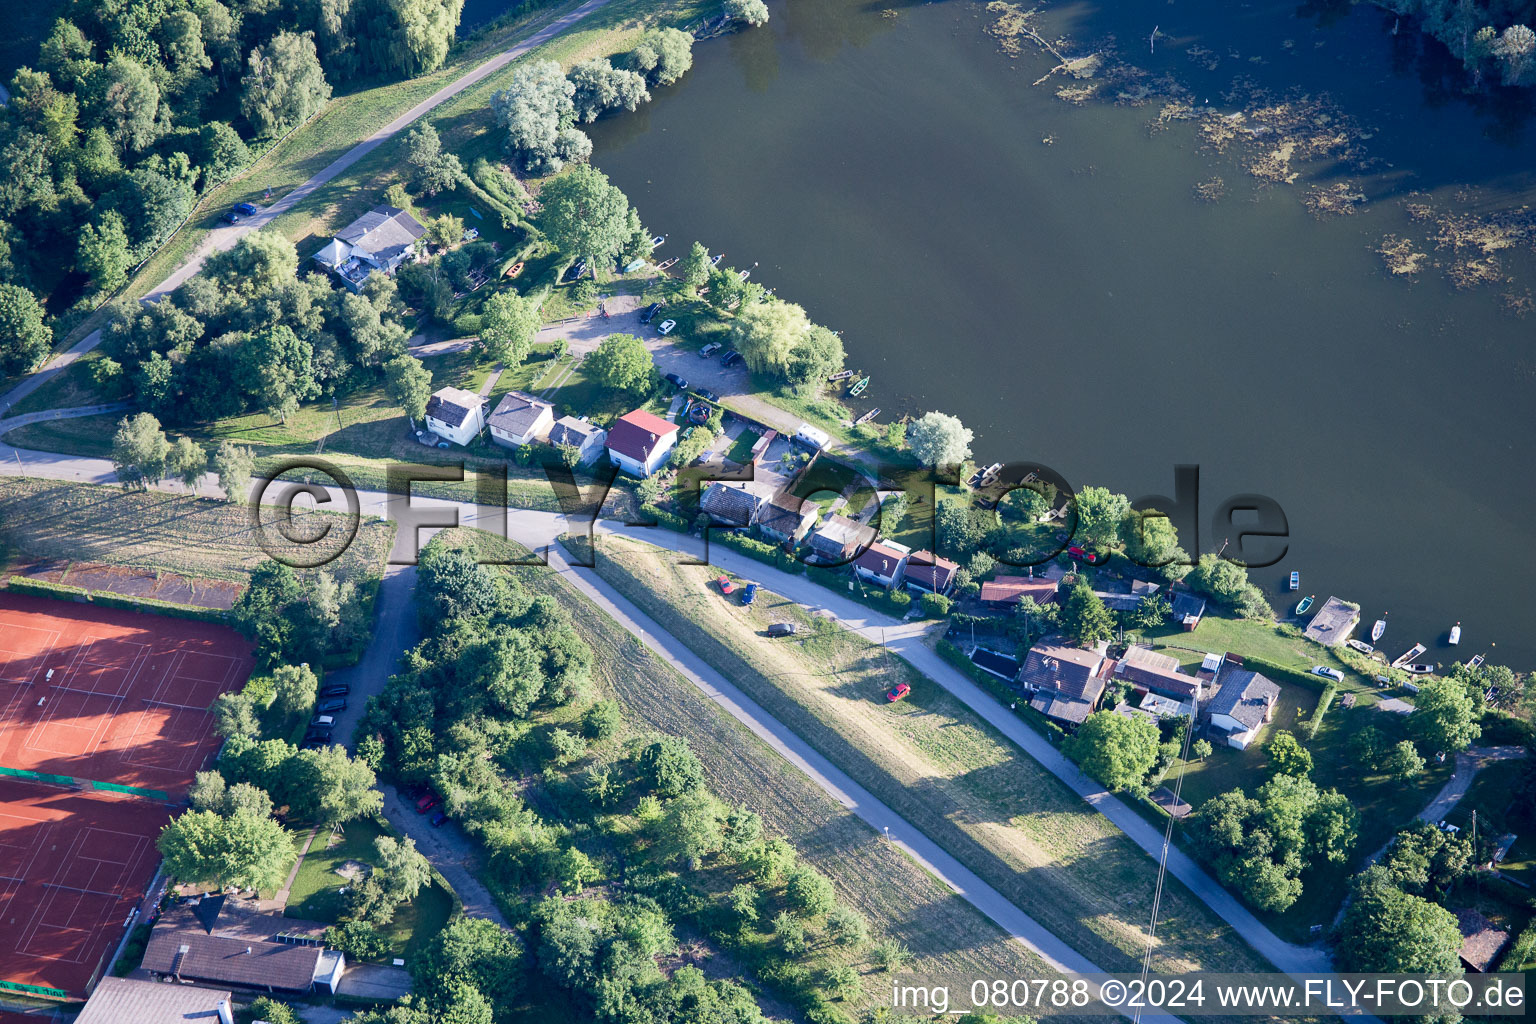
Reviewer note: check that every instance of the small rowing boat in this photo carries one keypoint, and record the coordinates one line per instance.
(866, 417)
(667, 263)
(515, 269)
(839, 375)
(1456, 634)
(1295, 580)
(1418, 669)
(657, 241)
(858, 387)
(1409, 655)
(1305, 604)
(1361, 646)
(1476, 661)
(1380, 627)
(744, 274)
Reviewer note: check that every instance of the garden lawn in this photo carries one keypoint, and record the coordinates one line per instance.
(316, 894)
(936, 763)
(1270, 641)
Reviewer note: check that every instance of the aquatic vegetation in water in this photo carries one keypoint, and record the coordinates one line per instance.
(1338, 199)
(1210, 191)
(1011, 27)
(1399, 255)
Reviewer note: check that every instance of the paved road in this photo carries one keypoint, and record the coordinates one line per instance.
(225, 236)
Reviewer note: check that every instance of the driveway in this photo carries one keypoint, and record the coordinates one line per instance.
(375, 981)
(395, 632)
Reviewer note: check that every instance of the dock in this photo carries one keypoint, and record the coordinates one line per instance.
(1333, 622)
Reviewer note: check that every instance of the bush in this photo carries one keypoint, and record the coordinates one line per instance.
(468, 325)
(901, 599)
(358, 939)
(601, 720)
(935, 606)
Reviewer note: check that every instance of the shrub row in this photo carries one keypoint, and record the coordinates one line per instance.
(65, 592)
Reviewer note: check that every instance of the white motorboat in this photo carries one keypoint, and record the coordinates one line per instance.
(1456, 634)
(1379, 628)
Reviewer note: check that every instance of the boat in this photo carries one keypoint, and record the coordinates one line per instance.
(858, 387)
(1476, 661)
(866, 417)
(515, 269)
(1456, 634)
(1409, 655)
(714, 260)
(1305, 604)
(664, 265)
(1380, 627)
(1361, 646)
(656, 242)
(1418, 669)
(839, 375)
(1295, 580)
(744, 274)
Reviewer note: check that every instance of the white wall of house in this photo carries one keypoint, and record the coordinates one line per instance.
(464, 433)
(538, 432)
(634, 467)
(1238, 735)
(884, 581)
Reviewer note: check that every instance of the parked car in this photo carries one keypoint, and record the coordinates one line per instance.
(246, 209)
(707, 395)
(426, 803)
(750, 594)
(334, 704)
(676, 381)
(902, 689)
(731, 358)
(317, 738)
(230, 217)
(438, 819)
(649, 312)
(710, 349)
(726, 586)
(335, 690)
(1330, 673)
(313, 743)
(325, 722)
(665, 327)
(783, 629)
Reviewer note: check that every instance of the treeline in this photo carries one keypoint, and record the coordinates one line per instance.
(495, 712)
(1492, 38)
(249, 333)
(134, 108)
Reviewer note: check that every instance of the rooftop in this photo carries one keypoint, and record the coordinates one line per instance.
(1333, 622)
(571, 430)
(636, 434)
(1245, 696)
(783, 513)
(1059, 706)
(1013, 589)
(730, 503)
(452, 405)
(881, 559)
(1069, 670)
(1481, 939)
(931, 571)
(517, 413)
(1147, 668)
(121, 1001)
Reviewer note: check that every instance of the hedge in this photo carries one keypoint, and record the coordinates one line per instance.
(1326, 688)
(1502, 728)
(106, 599)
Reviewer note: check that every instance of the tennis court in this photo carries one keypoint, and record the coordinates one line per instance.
(93, 698)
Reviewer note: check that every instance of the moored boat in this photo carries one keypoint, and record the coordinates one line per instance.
(859, 386)
(1418, 669)
(839, 375)
(1295, 580)
(867, 417)
(1380, 627)
(1408, 655)
(1305, 604)
(1455, 634)
(1360, 645)
(1476, 661)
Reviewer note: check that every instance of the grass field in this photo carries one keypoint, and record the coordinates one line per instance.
(316, 893)
(1270, 641)
(948, 937)
(197, 536)
(939, 765)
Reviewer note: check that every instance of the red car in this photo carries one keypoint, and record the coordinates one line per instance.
(726, 586)
(426, 803)
(902, 689)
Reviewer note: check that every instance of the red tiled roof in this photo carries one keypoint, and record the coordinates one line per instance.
(880, 560)
(930, 570)
(1013, 589)
(636, 434)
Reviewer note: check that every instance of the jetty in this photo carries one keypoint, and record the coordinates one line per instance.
(1334, 622)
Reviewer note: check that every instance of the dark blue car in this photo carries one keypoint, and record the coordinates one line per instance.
(245, 209)
(438, 819)
(750, 594)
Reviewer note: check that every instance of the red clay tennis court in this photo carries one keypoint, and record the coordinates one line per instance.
(93, 698)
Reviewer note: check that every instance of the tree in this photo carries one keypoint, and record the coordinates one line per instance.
(234, 465)
(693, 270)
(436, 171)
(1201, 749)
(1389, 931)
(1425, 860)
(235, 713)
(259, 264)
(1332, 827)
(333, 788)
(753, 12)
(103, 252)
(847, 926)
(1403, 762)
(601, 721)
(221, 153)
(241, 850)
(1150, 539)
(670, 767)
(1287, 756)
(1368, 746)
(1444, 717)
(400, 868)
(1084, 618)
(508, 323)
(816, 356)
(1100, 514)
(585, 216)
(411, 37)
(622, 363)
(409, 384)
(765, 333)
(663, 55)
(140, 450)
(472, 951)
(688, 829)
(284, 84)
(130, 100)
(938, 439)
(599, 87)
(293, 689)
(1116, 750)
(273, 1012)
(445, 231)
(24, 337)
(186, 462)
(1515, 50)
(809, 892)
(536, 110)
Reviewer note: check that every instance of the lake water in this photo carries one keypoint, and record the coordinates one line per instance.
(1075, 304)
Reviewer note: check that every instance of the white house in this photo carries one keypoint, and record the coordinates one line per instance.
(520, 419)
(455, 414)
(882, 563)
(1243, 705)
(380, 239)
(639, 442)
(587, 438)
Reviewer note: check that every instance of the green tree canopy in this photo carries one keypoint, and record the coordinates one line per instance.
(536, 110)
(508, 323)
(284, 83)
(1287, 756)
(408, 383)
(585, 216)
(140, 450)
(24, 337)
(623, 363)
(241, 849)
(1116, 750)
(1084, 617)
(599, 87)
(663, 55)
(1387, 930)
(938, 439)
(234, 465)
(1444, 717)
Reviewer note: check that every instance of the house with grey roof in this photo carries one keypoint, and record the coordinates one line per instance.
(242, 949)
(1188, 608)
(1243, 705)
(731, 504)
(380, 240)
(1152, 672)
(785, 518)
(1067, 681)
(455, 414)
(838, 539)
(882, 563)
(520, 419)
(126, 1001)
(586, 437)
